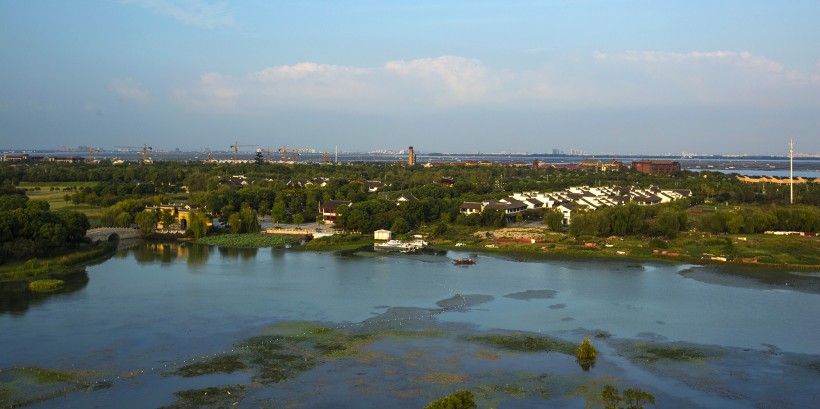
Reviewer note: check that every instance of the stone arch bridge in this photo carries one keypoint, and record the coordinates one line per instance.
(112, 233)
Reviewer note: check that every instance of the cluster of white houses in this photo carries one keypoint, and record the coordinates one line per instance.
(568, 200)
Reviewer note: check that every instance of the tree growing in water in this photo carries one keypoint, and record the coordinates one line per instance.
(586, 354)
(461, 399)
(631, 398)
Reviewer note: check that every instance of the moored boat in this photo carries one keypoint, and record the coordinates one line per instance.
(400, 246)
(464, 261)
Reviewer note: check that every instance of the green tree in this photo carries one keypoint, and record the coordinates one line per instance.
(123, 219)
(166, 217)
(146, 220)
(734, 223)
(197, 224)
(669, 222)
(461, 399)
(277, 212)
(631, 398)
(554, 219)
(235, 223)
(586, 354)
(244, 221)
(493, 218)
(249, 221)
(400, 226)
(298, 220)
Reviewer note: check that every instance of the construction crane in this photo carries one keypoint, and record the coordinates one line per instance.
(235, 148)
(91, 153)
(208, 151)
(145, 148)
(294, 153)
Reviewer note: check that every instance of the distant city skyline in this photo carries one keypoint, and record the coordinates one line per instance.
(640, 77)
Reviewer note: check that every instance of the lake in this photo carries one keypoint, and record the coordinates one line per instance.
(377, 330)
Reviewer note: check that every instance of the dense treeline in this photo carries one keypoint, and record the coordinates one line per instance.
(757, 219)
(632, 219)
(292, 194)
(105, 194)
(29, 229)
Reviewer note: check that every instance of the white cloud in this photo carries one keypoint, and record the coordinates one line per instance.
(305, 70)
(446, 80)
(706, 77)
(198, 13)
(211, 91)
(625, 79)
(127, 88)
(463, 79)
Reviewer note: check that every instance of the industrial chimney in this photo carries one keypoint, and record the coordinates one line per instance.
(411, 157)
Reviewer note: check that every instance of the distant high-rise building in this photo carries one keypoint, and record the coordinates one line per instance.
(556, 151)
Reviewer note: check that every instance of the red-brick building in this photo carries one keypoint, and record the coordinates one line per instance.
(656, 166)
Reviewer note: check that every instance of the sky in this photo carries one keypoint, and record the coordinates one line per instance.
(600, 76)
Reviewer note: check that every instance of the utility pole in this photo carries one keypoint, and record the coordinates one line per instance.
(791, 171)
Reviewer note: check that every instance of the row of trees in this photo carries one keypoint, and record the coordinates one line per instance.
(758, 219)
(118, 182)
(632, 219)
(270, 191)
(29, 229)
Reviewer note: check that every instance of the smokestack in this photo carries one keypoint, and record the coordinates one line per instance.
(411, 157)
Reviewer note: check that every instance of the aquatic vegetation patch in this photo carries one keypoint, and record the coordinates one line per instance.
(526, 385)
(652, 352)
(299, 328)
(5, 394)
(220, 364)
(425, 333)
(23, 386)
(515, 391)
(442, 378)
(251, 240)
(213, 397)
(532, 295)
(525, 343)
(48, 375)
(46, 285)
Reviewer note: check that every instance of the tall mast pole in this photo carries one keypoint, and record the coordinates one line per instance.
(791, 171)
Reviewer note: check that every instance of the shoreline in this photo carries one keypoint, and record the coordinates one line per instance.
(55, 267)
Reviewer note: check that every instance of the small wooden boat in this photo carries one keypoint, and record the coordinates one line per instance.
(464, 261)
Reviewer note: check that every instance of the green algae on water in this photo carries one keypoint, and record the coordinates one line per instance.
(525, 343)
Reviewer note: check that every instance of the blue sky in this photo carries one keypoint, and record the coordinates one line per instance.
(649, 77)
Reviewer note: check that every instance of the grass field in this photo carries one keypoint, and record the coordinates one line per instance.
(54, 193)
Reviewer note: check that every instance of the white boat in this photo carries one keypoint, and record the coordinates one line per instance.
(400, 246)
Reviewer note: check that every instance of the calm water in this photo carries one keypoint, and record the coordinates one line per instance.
(161, 303)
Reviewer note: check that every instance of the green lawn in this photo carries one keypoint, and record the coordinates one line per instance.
(56, 197)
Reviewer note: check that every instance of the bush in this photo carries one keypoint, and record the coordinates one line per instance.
(632, 398)
(586, 354)
(462, 399)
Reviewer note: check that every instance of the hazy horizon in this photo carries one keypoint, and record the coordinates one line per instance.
(641, 77)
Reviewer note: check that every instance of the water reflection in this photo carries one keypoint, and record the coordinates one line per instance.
(163, 252)
(16, 298)
(198, 254)
(240, 253)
